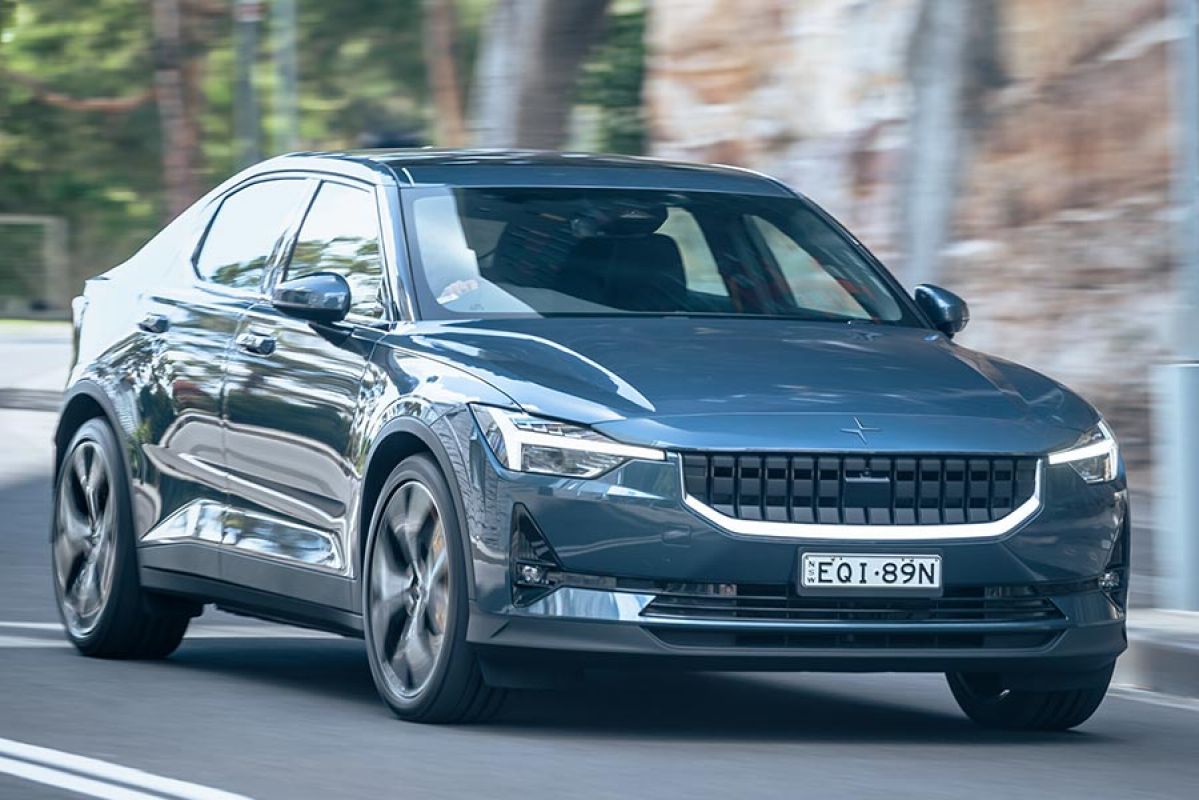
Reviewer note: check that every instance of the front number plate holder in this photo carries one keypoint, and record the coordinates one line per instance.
(870, 573)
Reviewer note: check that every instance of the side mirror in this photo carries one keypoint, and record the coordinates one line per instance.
(320, 297)
(948, 312)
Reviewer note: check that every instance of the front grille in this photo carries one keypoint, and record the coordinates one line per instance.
(747, 603)
(844, 489)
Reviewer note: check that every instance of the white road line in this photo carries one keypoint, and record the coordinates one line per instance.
(97, 778)
(215, 630)
(71, 782)
(31, 641)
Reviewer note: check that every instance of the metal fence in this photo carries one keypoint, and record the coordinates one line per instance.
(34, 265)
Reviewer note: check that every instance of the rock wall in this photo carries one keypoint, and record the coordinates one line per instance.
(1058, 230)
(812, 92)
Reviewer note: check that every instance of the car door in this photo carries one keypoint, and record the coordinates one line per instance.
(192, 324)
(292, 397)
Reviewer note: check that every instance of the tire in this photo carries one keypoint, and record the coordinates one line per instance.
(985, 700)
(414, 601)
(104, 610)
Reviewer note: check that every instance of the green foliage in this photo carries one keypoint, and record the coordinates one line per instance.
(361, 79)
(612, 77)
(362, 72)
(99, 170)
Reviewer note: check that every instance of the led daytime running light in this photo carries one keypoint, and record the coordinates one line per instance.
(516, 439)
(1096, 461)
(1104, 447)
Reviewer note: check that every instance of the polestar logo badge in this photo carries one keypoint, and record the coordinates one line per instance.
(860, 430)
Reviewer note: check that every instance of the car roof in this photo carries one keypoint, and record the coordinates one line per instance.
(432, 166)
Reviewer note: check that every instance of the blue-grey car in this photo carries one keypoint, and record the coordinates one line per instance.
(508, 416)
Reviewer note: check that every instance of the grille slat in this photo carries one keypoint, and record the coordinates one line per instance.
(838, 489)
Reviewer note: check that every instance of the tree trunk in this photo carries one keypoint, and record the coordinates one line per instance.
(938, 59)
(528, 67)
(178, 130)
(441, 68)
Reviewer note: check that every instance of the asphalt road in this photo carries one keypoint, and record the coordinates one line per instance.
(270, 712)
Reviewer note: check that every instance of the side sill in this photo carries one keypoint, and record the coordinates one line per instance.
(253, 602)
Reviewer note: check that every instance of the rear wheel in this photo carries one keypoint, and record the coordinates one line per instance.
(415, 602)
(100, 599)
(987, 701)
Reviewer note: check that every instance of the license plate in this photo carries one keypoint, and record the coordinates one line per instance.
(853, 571)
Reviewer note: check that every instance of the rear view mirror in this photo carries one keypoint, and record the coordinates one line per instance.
(948, 312)
(320, 297)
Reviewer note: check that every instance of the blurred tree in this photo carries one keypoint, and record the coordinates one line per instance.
(89, 94)
(362, 73)
(78, 133)
(116, 113)
(441, 68)
(174, 113)
(527, 69)
(610, 82)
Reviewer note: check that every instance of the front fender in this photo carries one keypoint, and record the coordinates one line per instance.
(414, 404)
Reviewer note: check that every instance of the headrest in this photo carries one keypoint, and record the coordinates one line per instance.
(646, 274)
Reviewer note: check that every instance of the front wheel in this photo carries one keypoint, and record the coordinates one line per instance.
(415, 602)
(986, 700)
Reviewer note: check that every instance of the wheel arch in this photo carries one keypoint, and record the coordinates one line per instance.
(397, 440)
(86, 401)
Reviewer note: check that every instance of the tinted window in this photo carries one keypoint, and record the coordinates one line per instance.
(242, 237)
(698, 263)
(341, 234)
(806, 277)
(571, 251)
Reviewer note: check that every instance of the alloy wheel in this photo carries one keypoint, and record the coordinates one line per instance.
(409, 589)
(84, 538)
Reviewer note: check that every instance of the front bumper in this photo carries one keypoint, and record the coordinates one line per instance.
(635, 523)
(1069, 650)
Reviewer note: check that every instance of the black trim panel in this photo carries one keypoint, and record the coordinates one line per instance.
(261, 574)
(194, 558)
(253, 602)
(319, 588)
(573, 642)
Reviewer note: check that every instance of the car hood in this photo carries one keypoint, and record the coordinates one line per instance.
(717, 382)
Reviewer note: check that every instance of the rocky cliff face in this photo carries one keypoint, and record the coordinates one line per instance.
(1023, 146)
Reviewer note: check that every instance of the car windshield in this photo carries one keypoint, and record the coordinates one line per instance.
(487, 252)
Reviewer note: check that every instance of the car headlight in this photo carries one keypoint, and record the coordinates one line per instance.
(1094, 457)
(527, 443)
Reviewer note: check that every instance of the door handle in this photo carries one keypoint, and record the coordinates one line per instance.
(256, 343)
(154, 323)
